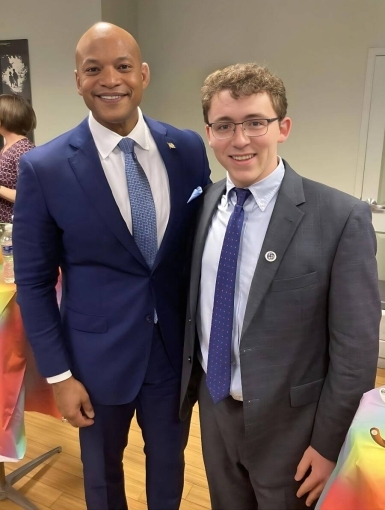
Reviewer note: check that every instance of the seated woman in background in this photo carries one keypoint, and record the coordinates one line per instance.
(17, 118)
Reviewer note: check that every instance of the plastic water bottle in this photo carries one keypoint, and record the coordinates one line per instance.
(7, 252)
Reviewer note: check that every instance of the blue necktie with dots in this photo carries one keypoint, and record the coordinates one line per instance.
(143, 211)
(219, 360)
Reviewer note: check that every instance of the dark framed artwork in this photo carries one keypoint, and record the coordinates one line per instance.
(15, 71)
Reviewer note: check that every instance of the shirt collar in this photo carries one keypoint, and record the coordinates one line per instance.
(106, 140)
(263, 191)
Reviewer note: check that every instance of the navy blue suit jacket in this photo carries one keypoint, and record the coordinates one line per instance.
(65, 216)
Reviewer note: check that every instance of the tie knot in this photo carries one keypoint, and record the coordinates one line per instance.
(242, 194)
(126, 145)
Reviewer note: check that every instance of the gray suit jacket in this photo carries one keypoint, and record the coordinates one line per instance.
(310, 337)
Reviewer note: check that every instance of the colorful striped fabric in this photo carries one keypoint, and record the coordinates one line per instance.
(21, 387)
(358, 481)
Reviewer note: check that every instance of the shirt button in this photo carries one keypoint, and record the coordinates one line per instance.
(149, 318)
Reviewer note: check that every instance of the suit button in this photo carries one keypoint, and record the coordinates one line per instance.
(149, 318)
(189, 359)
(189, 322)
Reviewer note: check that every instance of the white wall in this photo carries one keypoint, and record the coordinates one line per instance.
(123, 13)
(319, 49)
(52, 28)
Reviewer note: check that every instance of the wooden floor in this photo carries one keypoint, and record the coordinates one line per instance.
(58, 484)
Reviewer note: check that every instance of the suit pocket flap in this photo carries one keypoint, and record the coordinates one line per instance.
(85, 322)
(306, 393)
(295, 283)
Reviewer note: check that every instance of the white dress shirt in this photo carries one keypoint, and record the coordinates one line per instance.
(112, 160)
(258, 210)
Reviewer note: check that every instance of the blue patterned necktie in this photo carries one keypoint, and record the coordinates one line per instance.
(143, 212)
(219, 360)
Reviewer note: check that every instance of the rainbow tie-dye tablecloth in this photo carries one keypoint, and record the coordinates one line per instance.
(358, 481)
(21, 386)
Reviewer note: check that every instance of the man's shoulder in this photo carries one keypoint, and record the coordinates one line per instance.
(328, 194)
(172, 131)
(319, 193)
(57, 146)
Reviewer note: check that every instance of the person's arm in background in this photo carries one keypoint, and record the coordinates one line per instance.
(354, 316)
(8, 193)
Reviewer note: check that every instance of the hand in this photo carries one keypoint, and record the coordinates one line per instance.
(321, 469)
(73, 402)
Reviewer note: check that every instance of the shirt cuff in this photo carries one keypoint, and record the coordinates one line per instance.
(59, 378)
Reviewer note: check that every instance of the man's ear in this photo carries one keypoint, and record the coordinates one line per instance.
(208, 134)
(284, 129)
(145, 75)
(78, 84)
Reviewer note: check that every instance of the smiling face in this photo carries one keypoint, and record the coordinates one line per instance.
(111, 77)
(247, 159)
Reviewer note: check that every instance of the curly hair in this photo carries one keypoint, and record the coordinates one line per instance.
(244, 80)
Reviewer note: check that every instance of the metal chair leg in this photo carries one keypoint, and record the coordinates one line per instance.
(6, 482)
(16, 497)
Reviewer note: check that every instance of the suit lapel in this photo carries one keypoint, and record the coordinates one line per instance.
(210, 202)
(86, 165)
(284, 222)
(169, 151)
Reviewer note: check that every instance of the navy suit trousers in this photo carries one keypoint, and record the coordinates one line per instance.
(165, 438)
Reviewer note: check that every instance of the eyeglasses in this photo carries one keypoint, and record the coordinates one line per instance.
(252, 127)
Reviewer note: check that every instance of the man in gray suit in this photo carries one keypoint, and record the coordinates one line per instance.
(284, 308)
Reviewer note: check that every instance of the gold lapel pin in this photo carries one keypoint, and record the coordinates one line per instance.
(171, 145)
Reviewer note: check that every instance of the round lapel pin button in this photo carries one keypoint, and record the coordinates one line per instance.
(270, 256)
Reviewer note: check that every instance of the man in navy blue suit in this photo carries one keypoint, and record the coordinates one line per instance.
(115, 345)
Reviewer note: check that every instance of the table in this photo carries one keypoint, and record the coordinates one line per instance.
(21, 388)
(358, 480)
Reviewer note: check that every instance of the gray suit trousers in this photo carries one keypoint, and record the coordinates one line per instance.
(232, 480)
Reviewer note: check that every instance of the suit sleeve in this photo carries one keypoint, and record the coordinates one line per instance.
(354, 315)
(36, 242)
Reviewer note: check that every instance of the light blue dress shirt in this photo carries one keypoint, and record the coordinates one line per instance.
(258, 210)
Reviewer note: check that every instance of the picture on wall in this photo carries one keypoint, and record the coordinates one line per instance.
(15, 71)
